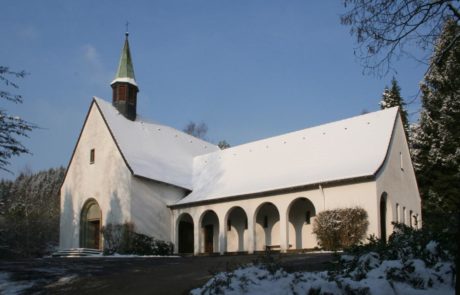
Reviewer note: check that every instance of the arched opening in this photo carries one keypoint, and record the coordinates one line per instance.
(383, 217)
(90, 225)
(267, 232)
(236, 229)
(185, 233)
(209, 232)
(301, 215)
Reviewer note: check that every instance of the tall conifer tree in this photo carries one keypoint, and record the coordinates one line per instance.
(391, 97)
(437, 155)
(437, 142)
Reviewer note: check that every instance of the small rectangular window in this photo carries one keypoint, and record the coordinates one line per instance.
(410, 218)
(229, 224)
(92, 156)
(397, 212)
(265, 221)
(307, 217)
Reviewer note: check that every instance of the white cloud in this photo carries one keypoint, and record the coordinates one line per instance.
(94, 66)
(91, 56)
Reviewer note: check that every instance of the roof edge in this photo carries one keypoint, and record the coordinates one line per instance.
(380, 167)
(111, 134)
(125, 80)
(292, 189)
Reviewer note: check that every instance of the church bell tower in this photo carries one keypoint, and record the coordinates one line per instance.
(124, 85)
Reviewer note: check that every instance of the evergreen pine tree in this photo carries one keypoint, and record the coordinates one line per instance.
(29, 213)
(437, 142)
(391, 97)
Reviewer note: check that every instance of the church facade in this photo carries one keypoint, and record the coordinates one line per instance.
(179, 188)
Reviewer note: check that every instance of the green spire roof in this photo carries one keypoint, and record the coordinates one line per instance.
(125, 72)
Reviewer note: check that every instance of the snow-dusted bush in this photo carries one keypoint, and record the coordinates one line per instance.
(340, 228)
(122, 239)
(408, 243)
(410, 263)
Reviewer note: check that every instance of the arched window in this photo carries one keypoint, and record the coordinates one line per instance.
(185, 233)
(237, 234)
(210, 232)
(383, 216)
(301, 213)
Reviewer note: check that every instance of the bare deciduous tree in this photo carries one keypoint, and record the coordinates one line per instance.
(11, 127)
(388, 29)
(197, 130)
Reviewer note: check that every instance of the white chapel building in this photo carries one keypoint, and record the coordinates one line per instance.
(179, 188)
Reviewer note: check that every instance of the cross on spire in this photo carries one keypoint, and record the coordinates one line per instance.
(127, 28)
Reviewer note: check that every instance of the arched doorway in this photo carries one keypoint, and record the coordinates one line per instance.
(90, 225)
(267, 232)
(383, 217)
(209, 232)
(301, 215)
(236, 229)
(185, 233)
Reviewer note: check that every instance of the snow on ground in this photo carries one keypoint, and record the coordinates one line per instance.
(371, 276)
(9, 287)
(116, 255)
(64, 280)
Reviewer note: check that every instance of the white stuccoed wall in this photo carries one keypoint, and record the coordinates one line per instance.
(149, 211)
(399, 184)
(329, 197)
(108, 181)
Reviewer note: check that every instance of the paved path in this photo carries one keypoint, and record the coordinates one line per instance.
(139, 275)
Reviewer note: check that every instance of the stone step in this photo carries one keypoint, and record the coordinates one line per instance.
(77, 252)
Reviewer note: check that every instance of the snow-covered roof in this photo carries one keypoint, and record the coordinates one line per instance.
(346, 149)
(153, 150)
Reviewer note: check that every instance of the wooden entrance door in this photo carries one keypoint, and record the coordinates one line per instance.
(95, 233)
(209, 238)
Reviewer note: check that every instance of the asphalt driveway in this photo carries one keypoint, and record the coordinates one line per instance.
(168, 275)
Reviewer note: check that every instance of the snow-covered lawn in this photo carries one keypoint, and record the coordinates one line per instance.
(372, 276)
(409, 263)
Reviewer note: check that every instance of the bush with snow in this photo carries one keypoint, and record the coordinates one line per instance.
(411, 263)
(340, 228)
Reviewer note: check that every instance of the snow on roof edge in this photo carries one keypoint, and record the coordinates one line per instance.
(224, 198)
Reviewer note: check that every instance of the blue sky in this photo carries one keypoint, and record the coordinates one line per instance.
(248, 69)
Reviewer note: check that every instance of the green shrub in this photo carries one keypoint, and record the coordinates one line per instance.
(122, 239)
(340, 228)
(117, 238)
